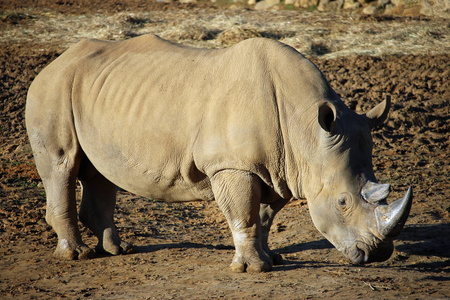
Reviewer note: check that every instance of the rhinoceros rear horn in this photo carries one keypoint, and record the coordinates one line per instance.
(375, 192)
(379, 113)
(391, 218)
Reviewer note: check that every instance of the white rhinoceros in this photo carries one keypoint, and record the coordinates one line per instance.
(250, 127)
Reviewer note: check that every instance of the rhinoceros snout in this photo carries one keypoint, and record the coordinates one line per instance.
(357, 256)
(360, 254)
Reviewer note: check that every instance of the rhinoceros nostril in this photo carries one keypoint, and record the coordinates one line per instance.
(357, 256)
(359, 253)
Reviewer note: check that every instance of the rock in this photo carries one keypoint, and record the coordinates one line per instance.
(388, 9)
(307, 3)
(351, 4)
(409, 8)
(440, 8)
(327, 5)
(265, 4)
(412, 3)
(289, 2)
(369, 10)
(322, 5)
(397, 2)
(383, 3)
(427, 8)
(395, 8)
(412, 11)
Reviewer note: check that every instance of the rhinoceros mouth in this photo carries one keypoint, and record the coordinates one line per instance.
(360, 253)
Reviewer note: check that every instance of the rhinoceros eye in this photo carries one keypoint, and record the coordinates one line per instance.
(344, 200)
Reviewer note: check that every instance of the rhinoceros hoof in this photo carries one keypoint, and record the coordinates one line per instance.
(113, 249)
(240, 265)
(250, 268)
(66, 252)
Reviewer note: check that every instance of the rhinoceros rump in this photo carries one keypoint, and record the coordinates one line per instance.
(250, 127)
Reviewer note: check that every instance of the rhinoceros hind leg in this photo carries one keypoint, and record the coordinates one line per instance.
(238, 195)
(97, 212)
(267, 213)
(58, 165)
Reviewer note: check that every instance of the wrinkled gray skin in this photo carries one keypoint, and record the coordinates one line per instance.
(250, 127)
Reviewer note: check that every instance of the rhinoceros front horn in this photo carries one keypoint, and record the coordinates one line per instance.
(392, 217)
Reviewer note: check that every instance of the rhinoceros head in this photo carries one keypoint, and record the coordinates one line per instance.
(348, 206)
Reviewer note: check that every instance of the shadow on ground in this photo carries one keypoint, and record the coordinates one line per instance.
(425, 240)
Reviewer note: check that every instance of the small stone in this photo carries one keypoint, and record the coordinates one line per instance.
(440, 8)
(383, 3)
(388, 9)
(265, 4)
(327, 5)
(351, 4)
(307, 3)
(322, 5)
(397, 2)
(412, 12)
(369, 10)
(427, 8)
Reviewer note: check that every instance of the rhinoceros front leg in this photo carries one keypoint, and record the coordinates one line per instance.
(267, 213)
(238, 195)
(97, 213)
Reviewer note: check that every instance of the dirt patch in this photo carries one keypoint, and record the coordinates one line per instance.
(82, 7)
(183, 250)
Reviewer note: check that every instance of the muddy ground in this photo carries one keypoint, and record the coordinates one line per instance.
(183, 250)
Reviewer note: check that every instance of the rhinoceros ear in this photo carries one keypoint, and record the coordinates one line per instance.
(327, 116)
(379, 113)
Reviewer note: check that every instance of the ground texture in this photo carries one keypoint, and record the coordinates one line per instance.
(183, 250)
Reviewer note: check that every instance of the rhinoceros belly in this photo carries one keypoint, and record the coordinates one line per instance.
(149, 170)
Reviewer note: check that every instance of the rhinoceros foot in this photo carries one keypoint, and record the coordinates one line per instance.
(250, 267)
(122, 248)
(110, 243)
(251, 262)
(275, 258)
(73, 252)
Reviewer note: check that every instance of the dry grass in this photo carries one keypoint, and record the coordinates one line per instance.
(236, 34)
(314, 34)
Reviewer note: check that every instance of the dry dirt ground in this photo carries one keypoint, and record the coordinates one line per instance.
(183, 250)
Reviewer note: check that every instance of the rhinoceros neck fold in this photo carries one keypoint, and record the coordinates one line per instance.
(300, 87)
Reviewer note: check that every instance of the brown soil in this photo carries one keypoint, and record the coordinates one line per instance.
(183, 250)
